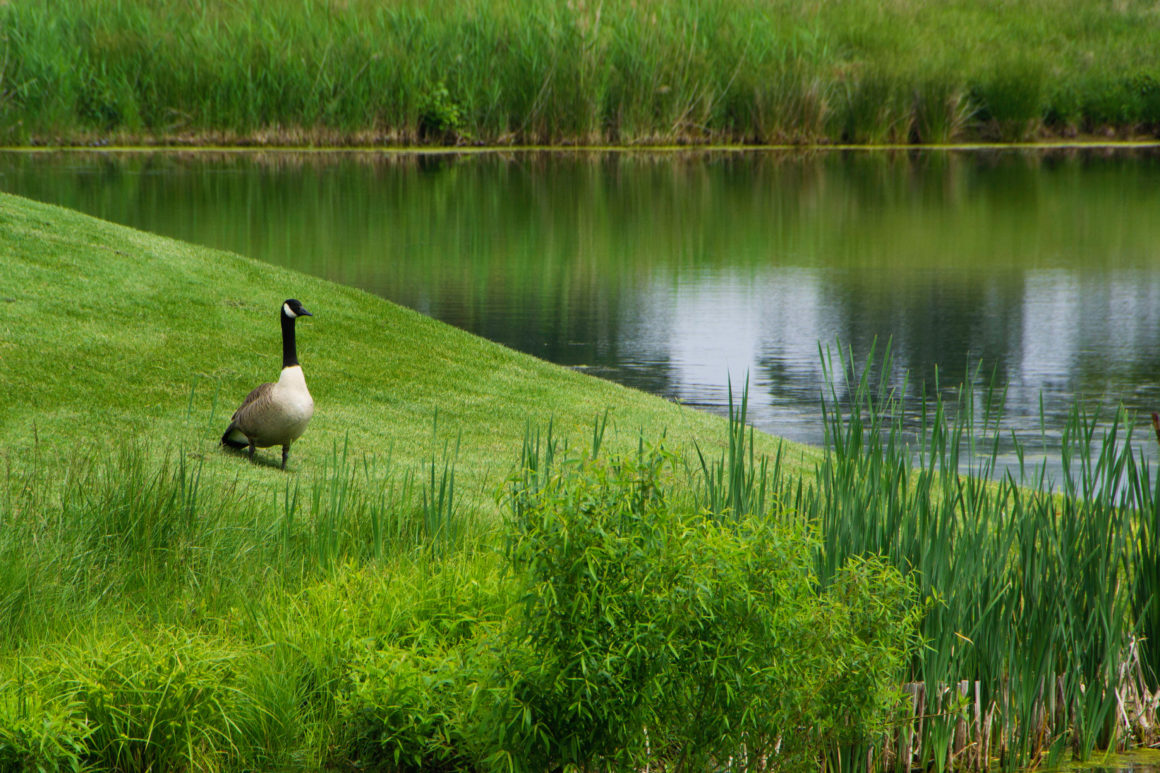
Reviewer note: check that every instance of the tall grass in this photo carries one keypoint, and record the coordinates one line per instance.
(117, 531)
(154, 617)
(1041, 640)
(572, 71)
(158, 616)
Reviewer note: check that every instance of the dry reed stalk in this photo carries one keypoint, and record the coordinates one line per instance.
(960, 741)
(920, 701)
(973, 740)
(1004, 727)
(978, 726)
(1039, 720)
(907, 749)
(989, 729)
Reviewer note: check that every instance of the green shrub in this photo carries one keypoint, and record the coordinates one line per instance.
(652, 631)
(404, 711)
(371, 666)
(158, 705)
(1118, 100)
(34, 736)
(439, 115)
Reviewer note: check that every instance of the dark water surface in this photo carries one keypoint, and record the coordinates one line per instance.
(673, 272)
(1140, 761)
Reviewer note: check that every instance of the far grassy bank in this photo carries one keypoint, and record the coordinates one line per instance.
(517, 72)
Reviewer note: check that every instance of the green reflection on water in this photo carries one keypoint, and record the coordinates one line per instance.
(1138, 761)
(668, 271)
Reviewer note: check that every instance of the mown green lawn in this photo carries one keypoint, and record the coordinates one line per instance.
(110, 336)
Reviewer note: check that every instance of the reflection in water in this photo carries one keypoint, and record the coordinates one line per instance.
(1138, 761)
(673, 273)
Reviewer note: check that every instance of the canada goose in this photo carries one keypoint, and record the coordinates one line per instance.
(275, 413)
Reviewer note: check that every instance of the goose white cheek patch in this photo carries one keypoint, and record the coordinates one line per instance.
(286, 310)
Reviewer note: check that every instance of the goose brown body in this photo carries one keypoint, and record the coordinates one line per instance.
(274, 414)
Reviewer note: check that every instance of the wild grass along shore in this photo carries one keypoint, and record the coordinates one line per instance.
(569, 72)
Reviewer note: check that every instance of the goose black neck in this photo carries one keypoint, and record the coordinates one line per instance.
(289, 350)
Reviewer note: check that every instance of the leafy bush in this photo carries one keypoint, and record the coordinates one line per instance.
(652, 631)
(439, 114)
(404, 711)
(156, 705)
(34, 736)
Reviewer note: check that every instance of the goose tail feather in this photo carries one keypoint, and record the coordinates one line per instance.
(234, 439)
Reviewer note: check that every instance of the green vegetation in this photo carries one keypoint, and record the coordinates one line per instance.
(576, 72)
(481, 561)
(166, 604)
(624, 628)
(1044, 634)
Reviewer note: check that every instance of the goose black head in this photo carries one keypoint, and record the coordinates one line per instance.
(292, 308)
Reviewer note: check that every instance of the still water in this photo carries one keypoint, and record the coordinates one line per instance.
(673, 273)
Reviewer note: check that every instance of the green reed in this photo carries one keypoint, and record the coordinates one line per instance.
(1040, 635)
(519, 71)
(737, 483)
(1145, 558)
(1039, 595)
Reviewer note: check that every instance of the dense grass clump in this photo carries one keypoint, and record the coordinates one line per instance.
(624, 626)
(519, 71)
(118, 531)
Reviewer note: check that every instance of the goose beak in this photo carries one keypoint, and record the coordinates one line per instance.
(304, 313)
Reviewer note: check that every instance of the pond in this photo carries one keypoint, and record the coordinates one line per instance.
(1140, 761)
(678, 272)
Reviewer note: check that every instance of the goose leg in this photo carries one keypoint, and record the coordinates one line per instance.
(285, 453)
(252, 450)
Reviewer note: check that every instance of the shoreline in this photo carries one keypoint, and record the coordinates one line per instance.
(659, 149)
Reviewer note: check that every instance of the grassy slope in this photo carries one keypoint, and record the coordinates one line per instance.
(109, 335)
(110, 339)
